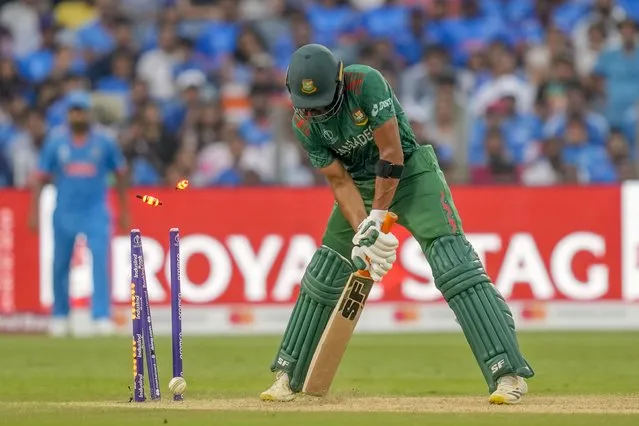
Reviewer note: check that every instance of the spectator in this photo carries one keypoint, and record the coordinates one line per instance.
(16, 108)
(22, 19)
(25, 146)
(619, 151)
(617, 67)
(38, 65)
(437, 20)
(237, 173)
(190, 85)
(606, 14)
(218, 38)
(474, 75)
(149, 147)
(590, 159)
(504, 82)
(250, 45)
(539, 58)
(587, 53)
(187, 58)
(499, 168)
(10, 81)
(138, 97)
(554, 88)
(333, 22)
(65, 62)
(96, 39)
(472, 31)
(410, 43)
(73, 14)
(47, 93)
(386, 20)
(547, 169)
(257, 129)
(120, 79)
(418, 82)
(206, 128)
(214, 157)
(445, 126)
(298, 34)
(123, 42)
(156, 66)
(577, 107)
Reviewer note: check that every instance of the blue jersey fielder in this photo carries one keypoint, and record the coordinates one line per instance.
(80, 170)
(78, 159)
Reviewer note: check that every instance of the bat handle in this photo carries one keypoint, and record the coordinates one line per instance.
(389, 221)
(387, 225)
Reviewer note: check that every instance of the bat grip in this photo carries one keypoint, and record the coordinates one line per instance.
(387, 225)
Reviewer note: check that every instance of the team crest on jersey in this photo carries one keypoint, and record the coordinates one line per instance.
(308, 86)
(359, 117)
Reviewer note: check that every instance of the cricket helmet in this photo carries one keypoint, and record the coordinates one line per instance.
(315, 81)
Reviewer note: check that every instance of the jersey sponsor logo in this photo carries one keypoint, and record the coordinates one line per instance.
(355, 142)
(80, 169)
(381, 105)
(308, 86)
(359, 117)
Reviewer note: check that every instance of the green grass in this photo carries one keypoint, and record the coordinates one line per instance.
(38, 369)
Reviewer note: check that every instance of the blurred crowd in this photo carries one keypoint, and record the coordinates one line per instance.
(532, 92)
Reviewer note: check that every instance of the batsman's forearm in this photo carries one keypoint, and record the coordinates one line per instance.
(349, 201)
(384, 193)
(385, 187)
(389, 144)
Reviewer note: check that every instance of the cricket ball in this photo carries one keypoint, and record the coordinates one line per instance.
(177, 385)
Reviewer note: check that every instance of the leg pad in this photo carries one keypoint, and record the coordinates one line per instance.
(481, 311)
(322, 285)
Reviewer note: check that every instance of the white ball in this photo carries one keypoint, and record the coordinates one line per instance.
(177, 385)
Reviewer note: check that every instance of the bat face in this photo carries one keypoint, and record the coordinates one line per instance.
(357, 288)
(337, 334)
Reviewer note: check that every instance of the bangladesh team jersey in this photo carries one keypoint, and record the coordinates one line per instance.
(369, 102)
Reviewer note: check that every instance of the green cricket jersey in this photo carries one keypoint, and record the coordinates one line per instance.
(369, 102)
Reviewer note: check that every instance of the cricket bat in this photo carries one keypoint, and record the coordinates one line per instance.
(340, 327)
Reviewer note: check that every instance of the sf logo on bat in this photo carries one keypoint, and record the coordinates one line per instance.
(355, 299)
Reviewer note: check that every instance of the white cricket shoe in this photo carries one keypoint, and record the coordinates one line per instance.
(59, 327)
(104, 327)
(510, 390)
(280, 390)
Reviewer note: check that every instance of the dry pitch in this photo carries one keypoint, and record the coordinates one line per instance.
(582, 379)
(577, 404)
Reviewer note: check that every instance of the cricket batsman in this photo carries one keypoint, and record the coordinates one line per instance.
(357, 135)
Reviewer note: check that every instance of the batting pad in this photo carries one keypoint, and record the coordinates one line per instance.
(322, 285)
(481, 311)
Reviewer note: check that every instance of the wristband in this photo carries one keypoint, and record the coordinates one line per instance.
(385, 170)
